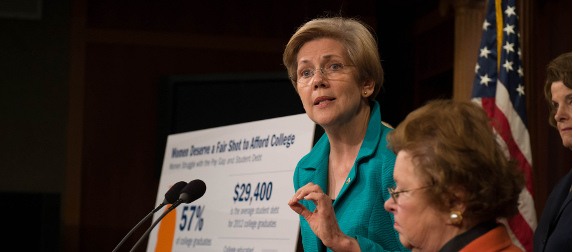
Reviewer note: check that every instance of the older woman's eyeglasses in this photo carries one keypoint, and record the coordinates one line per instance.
(395, 194)
(331, 71)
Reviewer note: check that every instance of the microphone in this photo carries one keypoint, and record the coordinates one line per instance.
(171, 196)
(191, 192)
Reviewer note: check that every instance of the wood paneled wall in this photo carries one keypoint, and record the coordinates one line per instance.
(120, 49)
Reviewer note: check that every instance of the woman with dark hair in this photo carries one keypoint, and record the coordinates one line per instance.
(554, 230)
(452, 180)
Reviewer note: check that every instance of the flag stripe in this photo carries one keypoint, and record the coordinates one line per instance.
(522, 224)
(528, 213)
(517, 127)
(510, 233)
(501, 125)
(498, 88)
(520, 229)
(526, 199)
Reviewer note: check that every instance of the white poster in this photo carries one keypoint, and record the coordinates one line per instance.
(247, 169)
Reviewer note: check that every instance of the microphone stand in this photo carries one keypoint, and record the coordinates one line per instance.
(176, 204)
(138, 225)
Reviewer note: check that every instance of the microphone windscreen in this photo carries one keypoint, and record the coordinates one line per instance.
(173, 193)
(193, 191)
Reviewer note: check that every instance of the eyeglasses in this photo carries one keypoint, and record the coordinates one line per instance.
(330, 72)
(395, 194)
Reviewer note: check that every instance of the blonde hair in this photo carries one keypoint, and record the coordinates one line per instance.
(357, 39)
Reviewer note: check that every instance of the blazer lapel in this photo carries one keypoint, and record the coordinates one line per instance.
(564, 189)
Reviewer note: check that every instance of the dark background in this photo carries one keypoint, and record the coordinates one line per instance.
(81, 85)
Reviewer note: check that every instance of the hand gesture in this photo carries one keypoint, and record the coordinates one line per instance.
(322, 220)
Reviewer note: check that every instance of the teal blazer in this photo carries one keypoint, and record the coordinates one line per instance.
(359, 205)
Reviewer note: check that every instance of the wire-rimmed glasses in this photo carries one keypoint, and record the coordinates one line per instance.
(330, 71)
(395, 194)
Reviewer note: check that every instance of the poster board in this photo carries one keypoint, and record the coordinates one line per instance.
(203, 101)
(248, 171)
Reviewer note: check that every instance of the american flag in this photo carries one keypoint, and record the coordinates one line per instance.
(499, 89)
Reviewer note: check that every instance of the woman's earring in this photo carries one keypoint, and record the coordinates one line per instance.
(365, 92)
(456, 217)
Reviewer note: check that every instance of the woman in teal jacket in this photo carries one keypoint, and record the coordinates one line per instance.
(341, 184)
